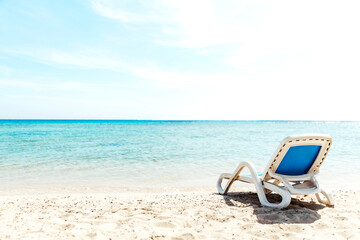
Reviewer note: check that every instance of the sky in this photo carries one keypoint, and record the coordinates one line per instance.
(180, 60)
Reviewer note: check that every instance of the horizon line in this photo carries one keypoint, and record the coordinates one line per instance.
(174, 120)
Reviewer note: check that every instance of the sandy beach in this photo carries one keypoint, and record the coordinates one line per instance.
(200, 214)
(119, 120)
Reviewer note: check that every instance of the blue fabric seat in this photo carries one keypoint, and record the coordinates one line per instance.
(298, 160)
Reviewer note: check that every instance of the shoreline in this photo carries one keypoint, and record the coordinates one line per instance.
(195, 214)
(94, 188)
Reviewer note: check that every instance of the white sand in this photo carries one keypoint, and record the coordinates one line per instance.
(175, 215)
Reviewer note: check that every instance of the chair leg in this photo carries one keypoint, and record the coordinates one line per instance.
(260, 188)
(285, 195)
(219, 181)
(233, 177)
(329, 199)
(276, 182)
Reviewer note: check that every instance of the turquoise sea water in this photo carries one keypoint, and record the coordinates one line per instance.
(129, 153)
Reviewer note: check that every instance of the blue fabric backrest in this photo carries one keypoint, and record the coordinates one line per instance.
(298, 160)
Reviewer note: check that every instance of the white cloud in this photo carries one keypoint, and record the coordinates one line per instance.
(144, 11)
(162, 78)
(295, 32)
(191, 24)
(51, 86)
(85, 60)
(80, 59)
(4, 68)
(253, 29)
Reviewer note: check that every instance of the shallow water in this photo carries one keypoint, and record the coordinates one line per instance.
(158, 153)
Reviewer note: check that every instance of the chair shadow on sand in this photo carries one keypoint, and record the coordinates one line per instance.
(297, 212)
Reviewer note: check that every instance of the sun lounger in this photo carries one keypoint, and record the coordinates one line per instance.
(291, 170)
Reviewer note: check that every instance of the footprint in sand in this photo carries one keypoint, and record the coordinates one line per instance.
(187, 236)
(165, 225)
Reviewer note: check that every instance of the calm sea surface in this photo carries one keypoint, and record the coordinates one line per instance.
(158, 153)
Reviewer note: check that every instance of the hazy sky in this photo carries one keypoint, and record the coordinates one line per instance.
(167, 59)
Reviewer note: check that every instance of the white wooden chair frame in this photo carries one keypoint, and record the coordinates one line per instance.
(270, 180)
